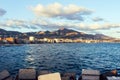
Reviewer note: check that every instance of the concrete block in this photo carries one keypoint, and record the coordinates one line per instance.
(27, 74)
(9, 78)
(4, 74)
(85, 77)
(90, 74)
(51, 76)
(113, 78)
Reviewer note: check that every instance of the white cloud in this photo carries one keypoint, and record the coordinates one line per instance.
(2, 12)
(50, 24)
(71, 11)
(17, 24)
(80, 26)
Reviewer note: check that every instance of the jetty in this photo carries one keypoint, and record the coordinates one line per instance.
(86, 74)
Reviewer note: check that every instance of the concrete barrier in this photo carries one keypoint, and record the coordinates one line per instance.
(9, 78)
(113, 78)
(51, 76)
(4, 74)
(27, 74)
(90, 74)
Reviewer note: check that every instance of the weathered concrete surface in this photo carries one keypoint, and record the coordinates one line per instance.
(52, 76)
(4, 74)
(90, 74)
(27, 74)
(10, 78)
(90, 77)
(113, 78)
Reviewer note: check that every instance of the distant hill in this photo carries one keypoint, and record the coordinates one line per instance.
(9, 33)
(2, 31)
(60, 33)
(101, 36)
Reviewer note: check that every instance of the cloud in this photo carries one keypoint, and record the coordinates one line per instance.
(97, 19)
(47, 24)
(17, 24)
(71, 11)
(2, 12)
(104, 26)
(118, 32)
(80, 26)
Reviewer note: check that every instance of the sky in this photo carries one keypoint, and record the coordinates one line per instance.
(89, 16)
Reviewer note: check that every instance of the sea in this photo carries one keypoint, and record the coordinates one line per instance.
(60, 57)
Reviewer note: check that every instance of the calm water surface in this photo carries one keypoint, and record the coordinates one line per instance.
(67, 57)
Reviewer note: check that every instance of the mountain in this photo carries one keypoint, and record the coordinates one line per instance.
(101, 36)
(60, 33)
(9, 33)
(2, 31)
(69, 33)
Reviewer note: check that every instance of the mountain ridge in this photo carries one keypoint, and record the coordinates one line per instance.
(60, 33)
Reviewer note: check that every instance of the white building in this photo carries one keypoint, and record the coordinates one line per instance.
(31, 38)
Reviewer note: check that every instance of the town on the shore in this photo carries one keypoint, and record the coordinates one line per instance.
(59, 36)
(33, 40)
